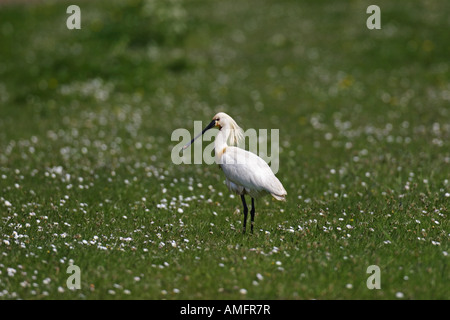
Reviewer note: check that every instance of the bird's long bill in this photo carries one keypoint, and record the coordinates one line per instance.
(211, 125)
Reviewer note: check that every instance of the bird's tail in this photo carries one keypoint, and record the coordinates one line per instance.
(277, 190)
(279, 197)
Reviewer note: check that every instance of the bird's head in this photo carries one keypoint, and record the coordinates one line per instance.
(223, 122)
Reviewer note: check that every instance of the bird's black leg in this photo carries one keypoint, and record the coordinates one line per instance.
(252, 214)
(245, 212)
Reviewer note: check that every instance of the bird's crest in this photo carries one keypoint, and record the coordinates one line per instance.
(236, 133)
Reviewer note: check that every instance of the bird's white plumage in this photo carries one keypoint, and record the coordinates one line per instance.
(245, 172)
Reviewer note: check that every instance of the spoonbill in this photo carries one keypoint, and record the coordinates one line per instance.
(245, 172)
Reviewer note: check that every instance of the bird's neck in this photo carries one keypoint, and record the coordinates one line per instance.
(220, 144)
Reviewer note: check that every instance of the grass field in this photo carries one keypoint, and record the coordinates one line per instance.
(86, 176)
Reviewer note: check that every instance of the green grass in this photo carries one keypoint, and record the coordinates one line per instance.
(86, 176)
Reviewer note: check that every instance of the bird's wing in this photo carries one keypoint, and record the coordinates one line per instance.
(250, 171)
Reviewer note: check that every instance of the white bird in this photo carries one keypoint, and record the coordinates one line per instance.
(245, 172)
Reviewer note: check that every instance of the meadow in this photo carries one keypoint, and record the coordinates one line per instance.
(86, 176)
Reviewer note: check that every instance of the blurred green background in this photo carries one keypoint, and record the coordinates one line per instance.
(85, 143)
